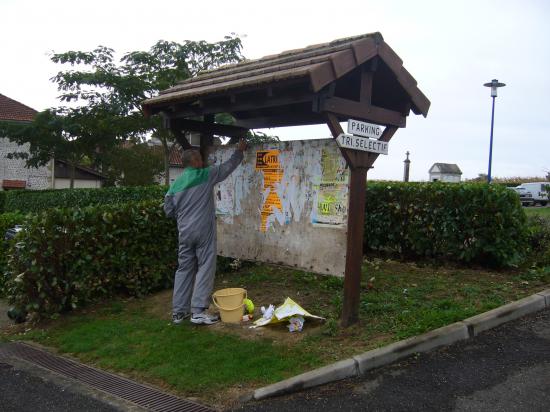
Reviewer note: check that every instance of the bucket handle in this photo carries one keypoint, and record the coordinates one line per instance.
(219, 307)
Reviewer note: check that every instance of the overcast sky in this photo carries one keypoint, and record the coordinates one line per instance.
(451, 48)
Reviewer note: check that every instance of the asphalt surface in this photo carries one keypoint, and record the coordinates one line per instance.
(22, 391)
(504, 369)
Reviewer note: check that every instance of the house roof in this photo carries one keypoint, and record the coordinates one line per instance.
(447, 168)
(176, 156)
(62, 170)
(319, 65)
(13, 110)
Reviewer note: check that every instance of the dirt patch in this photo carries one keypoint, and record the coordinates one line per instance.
(160, 305)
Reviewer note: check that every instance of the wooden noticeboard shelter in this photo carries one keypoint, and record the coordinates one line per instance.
(353, 78)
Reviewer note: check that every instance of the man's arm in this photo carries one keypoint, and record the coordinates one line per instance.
(221, 172)
(169, 207)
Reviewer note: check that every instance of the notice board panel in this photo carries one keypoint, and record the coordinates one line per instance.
(287, 204)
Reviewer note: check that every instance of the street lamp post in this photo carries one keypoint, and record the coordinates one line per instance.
(494, 84)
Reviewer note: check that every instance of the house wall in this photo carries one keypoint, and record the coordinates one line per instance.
(443, 177)
(78, 183)
(15, 169)
(175, 172)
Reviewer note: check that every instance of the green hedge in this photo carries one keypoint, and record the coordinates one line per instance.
(467, 222)
(2, 200)
(40, 200)
(67, 257)
(7, 221)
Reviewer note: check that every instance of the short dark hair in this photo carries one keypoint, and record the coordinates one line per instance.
(188, 156)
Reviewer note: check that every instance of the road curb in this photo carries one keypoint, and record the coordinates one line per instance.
(446, 335)
(330, 373)
(546, 295)
(426, 342)
(506, 313)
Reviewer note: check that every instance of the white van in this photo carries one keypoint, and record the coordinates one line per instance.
(539, 191)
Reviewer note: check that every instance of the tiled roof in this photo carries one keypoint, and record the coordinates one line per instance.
(320, 63)
(447, 168)
(13, 110)
(176, 156)
(83, 172)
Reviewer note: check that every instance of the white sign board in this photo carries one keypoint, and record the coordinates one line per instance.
(349, 141)
(364, 129)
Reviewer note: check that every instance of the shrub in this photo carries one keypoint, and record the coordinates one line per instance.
(39, 200)
(469, 222)
(7, 221)
(66, 257)
(539, 240)
(2, 200)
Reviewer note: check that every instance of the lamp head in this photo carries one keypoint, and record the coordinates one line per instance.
(494, 84)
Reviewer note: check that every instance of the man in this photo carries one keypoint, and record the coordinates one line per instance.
(190, 200)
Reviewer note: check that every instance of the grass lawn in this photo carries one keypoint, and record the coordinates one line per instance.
(216, 364)
(540, 211)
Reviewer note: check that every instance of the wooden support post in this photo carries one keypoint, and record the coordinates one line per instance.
(207, 140)
(354, 249)
(178, 133)
(358, 162)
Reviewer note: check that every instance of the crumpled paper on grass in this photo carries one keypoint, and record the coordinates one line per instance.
(287, 310)
(296, 324)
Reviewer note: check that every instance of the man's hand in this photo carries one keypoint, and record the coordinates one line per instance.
(242, 145)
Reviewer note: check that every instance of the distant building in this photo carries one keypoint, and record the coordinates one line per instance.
(14, 174)
(445, 172)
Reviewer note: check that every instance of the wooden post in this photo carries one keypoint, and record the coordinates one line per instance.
(358, 163)
(207, 140)
(354, 249)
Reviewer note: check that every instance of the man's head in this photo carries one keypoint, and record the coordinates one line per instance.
(192, 158)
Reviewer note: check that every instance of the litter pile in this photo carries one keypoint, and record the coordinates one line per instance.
(289, 311)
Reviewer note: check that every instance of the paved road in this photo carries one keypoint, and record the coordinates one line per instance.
(505, 369)
(23, 391)
(25, 387)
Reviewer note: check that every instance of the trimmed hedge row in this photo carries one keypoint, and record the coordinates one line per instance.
(2, 200)
(467, 222)
(39, 200)
(7, 221)
(65, 258)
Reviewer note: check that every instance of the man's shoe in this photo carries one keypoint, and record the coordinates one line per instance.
(204, 318)
(177, 318)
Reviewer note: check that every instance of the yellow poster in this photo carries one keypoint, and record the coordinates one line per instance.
(332, 191)
(267, 161)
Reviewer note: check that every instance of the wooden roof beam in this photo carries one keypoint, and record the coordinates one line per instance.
(208, 128)
(242, 104)
(362, 111)
(294, 119)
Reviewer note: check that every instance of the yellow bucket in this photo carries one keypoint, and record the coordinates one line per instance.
(230, 303)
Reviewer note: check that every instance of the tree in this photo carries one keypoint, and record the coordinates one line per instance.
(117, 90)
(136, 165)
(104, 96)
